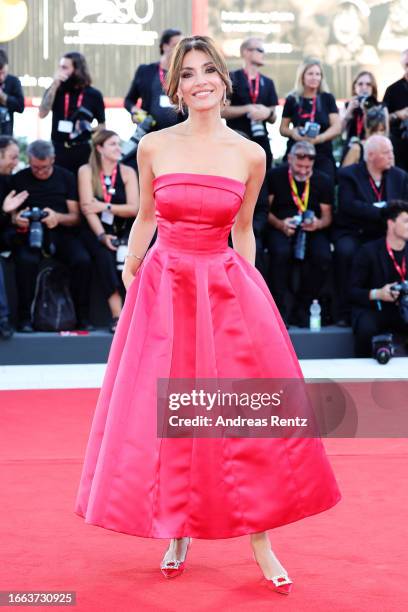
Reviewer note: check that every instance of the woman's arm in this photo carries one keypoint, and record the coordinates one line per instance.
(144, 226)
(242, 233)
(287, 131)
(352, 156)
(130, 208)
(331, 133)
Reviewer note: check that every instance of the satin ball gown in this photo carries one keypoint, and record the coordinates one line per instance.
(196, 308)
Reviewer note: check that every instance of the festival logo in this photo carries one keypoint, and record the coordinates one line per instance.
(13, 19)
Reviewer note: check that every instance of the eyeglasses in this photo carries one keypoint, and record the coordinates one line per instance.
(305, 156)
(259, 49)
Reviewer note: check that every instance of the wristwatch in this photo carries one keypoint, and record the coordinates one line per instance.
(109, 207)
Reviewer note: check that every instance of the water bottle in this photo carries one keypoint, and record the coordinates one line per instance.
(315, 319)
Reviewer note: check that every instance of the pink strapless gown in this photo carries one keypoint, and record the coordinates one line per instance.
(196, 308)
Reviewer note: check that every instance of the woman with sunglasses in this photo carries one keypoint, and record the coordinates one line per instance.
(108, 193)
(310, 113)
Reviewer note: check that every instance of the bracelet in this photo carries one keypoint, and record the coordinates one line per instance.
(133, 255)
(373, 294)
(101, 236)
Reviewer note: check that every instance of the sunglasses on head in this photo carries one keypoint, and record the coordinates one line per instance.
(308, 156)
(259, 49)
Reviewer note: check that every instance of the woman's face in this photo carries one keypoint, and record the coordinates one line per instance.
(312, 77)
(110, 149)
(363, 86)
(200, 85)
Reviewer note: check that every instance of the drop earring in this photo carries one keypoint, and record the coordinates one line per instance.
(180, 104)
(224, 99)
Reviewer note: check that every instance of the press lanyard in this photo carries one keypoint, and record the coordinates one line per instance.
(253, 90)
(312, 113)
(359, 125)
(402, 270)
(108, 193)
(162, 77)
(378, 192)
(300, 202)
(66, 103)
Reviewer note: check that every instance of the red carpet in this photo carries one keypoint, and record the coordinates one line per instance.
(352, 558)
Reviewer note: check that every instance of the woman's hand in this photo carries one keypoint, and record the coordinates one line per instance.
(107, 241)
(129, 272)
(296, 136)
(94, 206)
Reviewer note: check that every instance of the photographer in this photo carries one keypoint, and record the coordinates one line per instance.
(11, 96)
(375, 122)
(314, 115)
(253, 99)
(301, 209)
(396, 100)
(8, 161)
(149, 85)
(364, 189)
(52, 203)
(377, 267)
(109, 199)
(364, 92)
(74, 104)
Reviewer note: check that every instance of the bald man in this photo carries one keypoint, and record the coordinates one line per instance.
(396, 100)
(364, 189)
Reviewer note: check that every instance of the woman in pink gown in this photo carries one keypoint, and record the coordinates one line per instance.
(196, 308)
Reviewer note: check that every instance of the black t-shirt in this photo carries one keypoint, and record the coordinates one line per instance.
(92, 100)
(52, 192)
(321, 192)
(121, 225)
(15, 101)
(241, 96)
(4, 190)
(396, 98)
(325, 106)
(146, 84)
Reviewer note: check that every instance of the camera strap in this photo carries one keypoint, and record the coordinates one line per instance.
(253, 89)
(401, 269)
(301, 202)
(359, 125)
(66, 103)
(108, 185)
(311, 116)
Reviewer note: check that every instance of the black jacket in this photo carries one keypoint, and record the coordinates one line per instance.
(141, 86)
(372, 269)
(15, 101)
(356, 214)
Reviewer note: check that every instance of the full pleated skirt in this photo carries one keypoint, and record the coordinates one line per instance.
(189, 315)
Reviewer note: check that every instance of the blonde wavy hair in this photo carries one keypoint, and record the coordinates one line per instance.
(99, 138)
(299, 87)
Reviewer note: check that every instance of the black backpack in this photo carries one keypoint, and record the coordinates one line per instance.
(52, 308)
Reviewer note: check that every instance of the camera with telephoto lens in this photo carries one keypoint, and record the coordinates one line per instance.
(365, 101)
(402, 301)
(82, 119)
(146, 125)
(382, 348)
(311, 129)
(122, 246)
(36, 235)
(299, 248)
